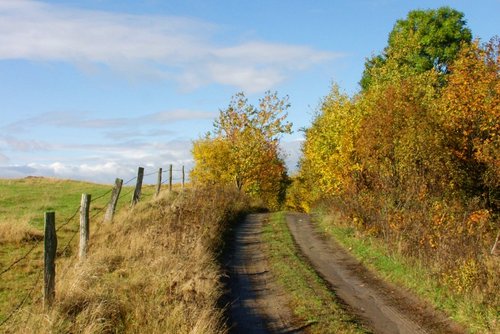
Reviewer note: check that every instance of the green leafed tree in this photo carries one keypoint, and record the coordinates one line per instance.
(426, 39)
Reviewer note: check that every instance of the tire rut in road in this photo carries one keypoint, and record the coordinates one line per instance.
(383, 308)
(257, 305)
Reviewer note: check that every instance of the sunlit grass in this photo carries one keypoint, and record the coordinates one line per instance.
(410, 273)
(23, 203)
(153, 270)
(311, 300)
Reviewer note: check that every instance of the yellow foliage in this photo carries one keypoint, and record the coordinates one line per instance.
(243, 149)
(415, 159)
(328, 149)
(463, 278)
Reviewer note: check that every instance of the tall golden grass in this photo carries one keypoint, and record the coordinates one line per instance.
(18, 232)
(154, 270)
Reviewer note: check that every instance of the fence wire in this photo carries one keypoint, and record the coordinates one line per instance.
(126, 193)
(152, 173)
(173, 170)
(98, 212)
(101, 196)
(25, 298)
(68, 267)
(21, 258)
(132, 179)
(68, 244)
(69, 219)
(34, 302)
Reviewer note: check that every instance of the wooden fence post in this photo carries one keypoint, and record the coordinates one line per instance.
(170, 179)
(84, 226)
(158, 183)
(183, 176)
(110, 212)
(50, 248)
(138, 186)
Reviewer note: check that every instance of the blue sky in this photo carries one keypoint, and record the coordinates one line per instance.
(92, 89)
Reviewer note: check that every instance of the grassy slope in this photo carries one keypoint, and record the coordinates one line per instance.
(312, 301)
(153, 270)
(477, 317)
(22, 206)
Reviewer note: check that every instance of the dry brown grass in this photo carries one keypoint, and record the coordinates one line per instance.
(18, 233)
(153, 271)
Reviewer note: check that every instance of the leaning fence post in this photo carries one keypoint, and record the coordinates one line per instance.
(50, 248)
(138, 186)
(158, 183)
(114, 200)
(183, 176)
(170, 179)
(84, 226)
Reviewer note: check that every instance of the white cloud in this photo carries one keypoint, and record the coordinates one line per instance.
(161, 47)
(3, 158)
(16, 171)
(180, 115)
(127, 134)
(82, 120)
(24, 145)
(253, 79)
(272, 54)
(103, 164)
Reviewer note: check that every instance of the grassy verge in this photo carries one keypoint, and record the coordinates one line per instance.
(413, 275)
(311, 300)
(22, 206)
(154, 270)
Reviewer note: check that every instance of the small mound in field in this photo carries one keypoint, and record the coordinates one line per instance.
(18, 233)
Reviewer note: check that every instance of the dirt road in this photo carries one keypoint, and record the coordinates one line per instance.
(383, 308)
(257, 305)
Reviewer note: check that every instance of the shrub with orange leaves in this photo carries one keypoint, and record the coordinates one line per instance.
(470, 112)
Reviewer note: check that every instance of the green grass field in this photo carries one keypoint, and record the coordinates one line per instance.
(23, 203)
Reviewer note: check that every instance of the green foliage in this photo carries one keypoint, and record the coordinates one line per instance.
(426, 39)
(243, 148)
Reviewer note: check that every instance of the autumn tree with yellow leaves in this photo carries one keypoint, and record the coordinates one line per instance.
(243, 148)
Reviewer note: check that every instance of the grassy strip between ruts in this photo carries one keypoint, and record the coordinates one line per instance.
(311, 299)
(411, 274)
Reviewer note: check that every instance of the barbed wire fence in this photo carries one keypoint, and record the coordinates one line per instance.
(64, 251)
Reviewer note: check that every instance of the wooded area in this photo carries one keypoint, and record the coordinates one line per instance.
(414, 157)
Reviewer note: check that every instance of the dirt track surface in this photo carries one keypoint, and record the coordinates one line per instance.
(383, 308)
(257, 305)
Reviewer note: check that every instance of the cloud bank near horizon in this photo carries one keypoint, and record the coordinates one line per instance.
(122, 161)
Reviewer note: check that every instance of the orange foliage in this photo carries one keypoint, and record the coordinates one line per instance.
(470, 115)
(415, 159)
